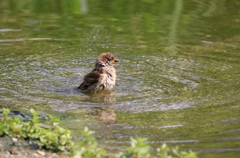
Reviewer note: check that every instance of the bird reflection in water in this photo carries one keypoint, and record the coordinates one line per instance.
(105, 112)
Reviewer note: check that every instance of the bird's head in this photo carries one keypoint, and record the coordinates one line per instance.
(106, 59)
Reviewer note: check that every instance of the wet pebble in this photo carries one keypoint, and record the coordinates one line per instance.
(14, 151)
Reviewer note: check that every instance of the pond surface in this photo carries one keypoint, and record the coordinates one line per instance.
(178, 77)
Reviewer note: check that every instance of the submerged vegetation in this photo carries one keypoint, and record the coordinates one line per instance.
(52, 137)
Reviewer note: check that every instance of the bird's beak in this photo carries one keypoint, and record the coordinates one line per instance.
(114, 61)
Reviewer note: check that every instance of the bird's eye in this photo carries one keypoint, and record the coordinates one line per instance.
(109, 58)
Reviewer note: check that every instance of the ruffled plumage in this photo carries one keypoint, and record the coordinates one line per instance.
(102, 77)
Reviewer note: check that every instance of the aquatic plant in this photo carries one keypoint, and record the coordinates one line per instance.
(139, 149)
(52, 137)
(166, 152)
(88, 146)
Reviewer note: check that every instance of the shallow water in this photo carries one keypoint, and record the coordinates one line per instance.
(178, 76)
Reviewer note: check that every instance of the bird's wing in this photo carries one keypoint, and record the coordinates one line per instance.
(90, 79)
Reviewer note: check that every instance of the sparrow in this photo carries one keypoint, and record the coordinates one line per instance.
(102, 77)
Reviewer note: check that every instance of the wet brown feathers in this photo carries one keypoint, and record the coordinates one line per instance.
(102, 77)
